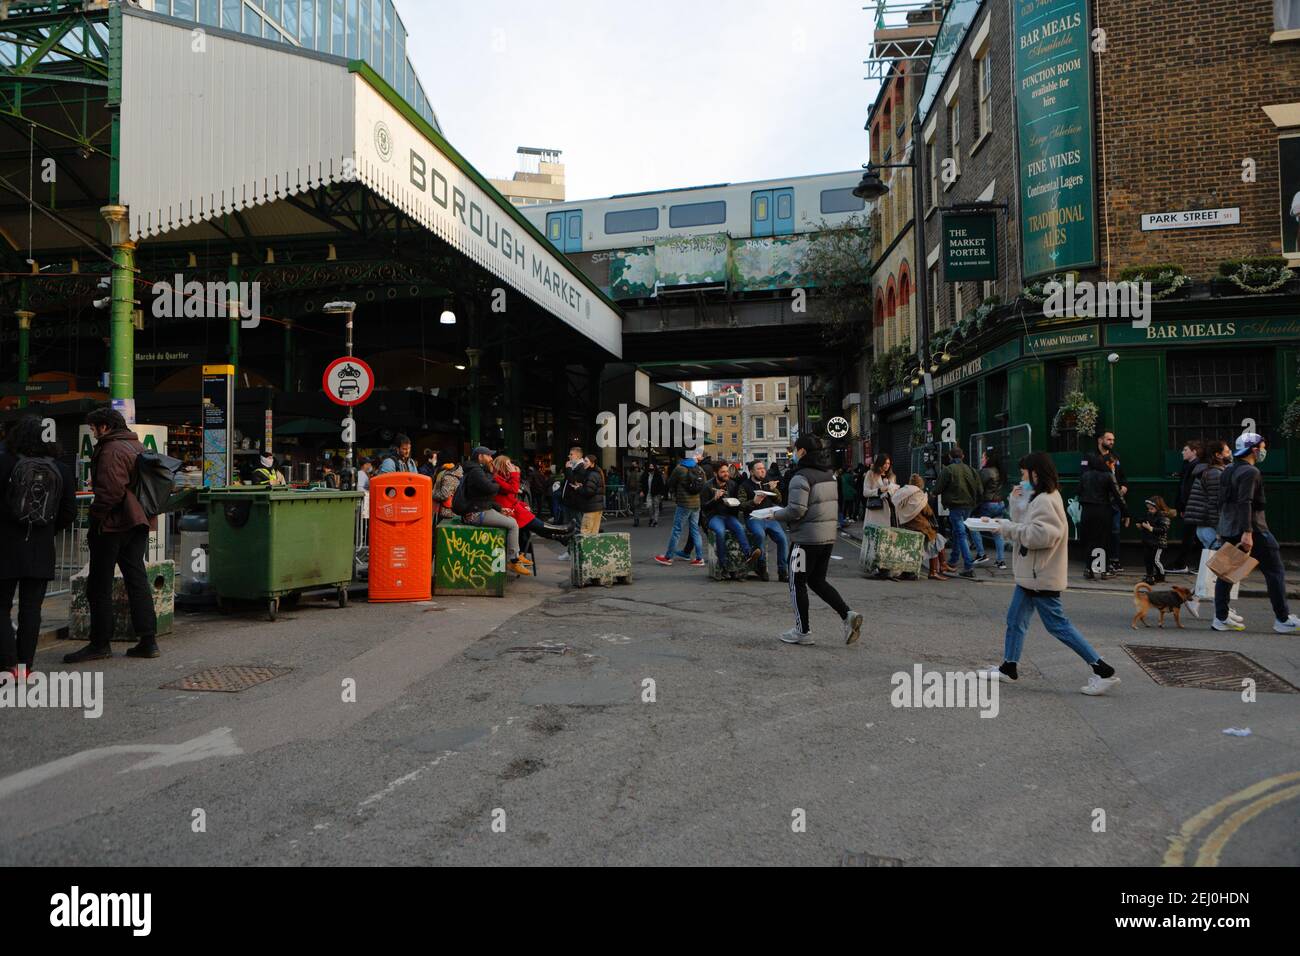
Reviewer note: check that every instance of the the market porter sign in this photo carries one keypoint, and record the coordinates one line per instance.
(1053, 88)
(970, 246)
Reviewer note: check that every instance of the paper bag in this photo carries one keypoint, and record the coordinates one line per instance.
(1232, 563)
(1205, 579)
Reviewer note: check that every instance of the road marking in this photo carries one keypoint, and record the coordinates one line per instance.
(216, 743)
(1216, 841)
(1177, 852)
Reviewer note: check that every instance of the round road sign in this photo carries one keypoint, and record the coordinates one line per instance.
(348, 381)
(837, 427)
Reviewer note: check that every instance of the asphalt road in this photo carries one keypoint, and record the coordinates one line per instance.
(523, 730)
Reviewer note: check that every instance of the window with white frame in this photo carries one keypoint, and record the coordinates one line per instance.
(782, 427)
(983, 95)
(759, 427)
(954, 132)
(782, 394)
(758, 391)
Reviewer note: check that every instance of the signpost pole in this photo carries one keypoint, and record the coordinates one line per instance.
(349, 424)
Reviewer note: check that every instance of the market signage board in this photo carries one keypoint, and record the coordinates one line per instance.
(1191, 219)
(1053, 91)
(970, 246)
(218, 415)
(396, 160)
(990, 360)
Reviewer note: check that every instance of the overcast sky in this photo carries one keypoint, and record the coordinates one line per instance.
(648, 95)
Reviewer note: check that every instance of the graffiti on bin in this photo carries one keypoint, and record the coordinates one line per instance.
(471, 558)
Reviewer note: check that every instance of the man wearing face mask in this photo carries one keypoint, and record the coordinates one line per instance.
(1242, 524)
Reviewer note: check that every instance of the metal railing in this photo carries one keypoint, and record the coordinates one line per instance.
(72, 546)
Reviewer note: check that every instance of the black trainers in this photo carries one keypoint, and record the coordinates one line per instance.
(147, 648)
(783, 577)
(1001, 565)
(982, 559)
(968, 573)
(88, 653)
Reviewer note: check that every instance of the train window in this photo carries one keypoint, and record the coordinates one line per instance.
(697, 214)
(841, 200)
(556, 227)
(784, 204)
(575, 227)
(632, 220)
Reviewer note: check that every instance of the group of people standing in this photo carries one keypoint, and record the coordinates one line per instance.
(960, 490)
(39, 502)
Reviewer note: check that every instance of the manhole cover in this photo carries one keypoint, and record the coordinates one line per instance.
(849, 858)
(231, 678)
(1208, 669)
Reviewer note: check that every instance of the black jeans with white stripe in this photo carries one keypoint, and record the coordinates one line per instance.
(808, 565)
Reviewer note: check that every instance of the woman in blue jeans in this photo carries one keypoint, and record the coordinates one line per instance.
(1039, 535)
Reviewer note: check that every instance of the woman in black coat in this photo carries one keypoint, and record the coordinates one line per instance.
(27, 553)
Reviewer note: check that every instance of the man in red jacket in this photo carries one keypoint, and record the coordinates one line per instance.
(119, 536)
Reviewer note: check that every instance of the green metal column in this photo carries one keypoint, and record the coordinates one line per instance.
(121, 348)
(475, 410)
(25, 317)
(232, 313)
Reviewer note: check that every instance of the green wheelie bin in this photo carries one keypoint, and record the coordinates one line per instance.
(268, 543)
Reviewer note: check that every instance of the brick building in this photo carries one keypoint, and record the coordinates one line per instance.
(1177, 105)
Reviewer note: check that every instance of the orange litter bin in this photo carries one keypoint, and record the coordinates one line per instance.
(401, 537)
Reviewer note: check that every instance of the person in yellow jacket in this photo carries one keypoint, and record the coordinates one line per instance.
(266, 473)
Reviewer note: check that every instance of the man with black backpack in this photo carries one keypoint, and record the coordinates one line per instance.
(119, 537)
(40, 501)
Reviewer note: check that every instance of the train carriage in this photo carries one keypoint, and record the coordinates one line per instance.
(775, 207)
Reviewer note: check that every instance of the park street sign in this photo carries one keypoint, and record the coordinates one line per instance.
(970, 246)
(1191, 218)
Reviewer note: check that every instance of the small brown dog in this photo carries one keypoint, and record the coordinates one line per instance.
(1166, 602)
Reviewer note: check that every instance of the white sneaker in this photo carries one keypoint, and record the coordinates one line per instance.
(1228, 625)
(852, 627)
(1194, 605)
(1234, 616)
(1290, 626)
(1098, 685)
(795, 636)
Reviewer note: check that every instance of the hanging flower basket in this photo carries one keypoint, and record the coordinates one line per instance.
(1260, 279)
(1166, 279)
(1078, 413)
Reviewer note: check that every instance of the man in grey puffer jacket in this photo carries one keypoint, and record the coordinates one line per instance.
(811, 515)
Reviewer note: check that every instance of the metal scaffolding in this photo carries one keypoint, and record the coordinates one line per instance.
(904, 32)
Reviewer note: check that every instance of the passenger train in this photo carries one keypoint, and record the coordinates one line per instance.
(774, 207)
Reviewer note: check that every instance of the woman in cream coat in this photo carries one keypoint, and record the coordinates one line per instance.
(877, 486)
(1038, 535)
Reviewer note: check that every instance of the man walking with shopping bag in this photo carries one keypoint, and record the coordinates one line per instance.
(1242, 525)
